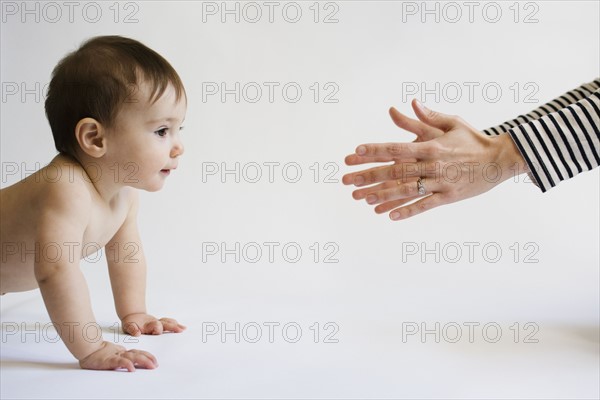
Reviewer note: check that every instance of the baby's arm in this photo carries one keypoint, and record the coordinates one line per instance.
(61, 226)
(127, 269)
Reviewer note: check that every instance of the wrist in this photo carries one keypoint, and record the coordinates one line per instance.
(124, 316)
(508, 157)
(82, 354)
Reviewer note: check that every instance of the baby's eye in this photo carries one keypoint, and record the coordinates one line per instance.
(181, 128)
(161, 132)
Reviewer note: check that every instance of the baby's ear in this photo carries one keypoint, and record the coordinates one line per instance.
(91, 137)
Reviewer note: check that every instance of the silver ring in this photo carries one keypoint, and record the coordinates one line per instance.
(421, 186)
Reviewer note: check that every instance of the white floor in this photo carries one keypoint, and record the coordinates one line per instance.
(371, 358)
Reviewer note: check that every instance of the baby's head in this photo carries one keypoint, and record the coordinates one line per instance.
(117, 100)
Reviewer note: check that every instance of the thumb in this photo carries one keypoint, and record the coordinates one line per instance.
(423, 131)
(433, 118)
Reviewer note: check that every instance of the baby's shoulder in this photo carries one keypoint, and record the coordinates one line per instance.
(63, 185)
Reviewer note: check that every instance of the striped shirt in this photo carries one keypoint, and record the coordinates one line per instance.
(559, 139)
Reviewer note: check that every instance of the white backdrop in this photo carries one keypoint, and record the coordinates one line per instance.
(530, 289)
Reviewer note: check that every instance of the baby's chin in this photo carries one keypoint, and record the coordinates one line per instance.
(152, 187)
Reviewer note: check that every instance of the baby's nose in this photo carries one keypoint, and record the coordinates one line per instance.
(178, 148)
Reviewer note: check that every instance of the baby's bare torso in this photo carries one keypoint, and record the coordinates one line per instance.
(21, 209)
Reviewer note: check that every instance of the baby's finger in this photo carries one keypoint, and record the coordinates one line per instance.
(120, 362)
(132, 329)
(149, 355)
(139, 359)
(153, 328)
(171, 325)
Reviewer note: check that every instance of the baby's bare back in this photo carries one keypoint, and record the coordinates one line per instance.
(23, 204)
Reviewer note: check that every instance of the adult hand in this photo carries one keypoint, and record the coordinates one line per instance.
(452, 161)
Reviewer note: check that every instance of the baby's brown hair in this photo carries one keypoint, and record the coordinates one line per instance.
(97, 79)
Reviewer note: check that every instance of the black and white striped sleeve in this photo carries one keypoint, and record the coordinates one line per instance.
(561, 144)
(559, 103)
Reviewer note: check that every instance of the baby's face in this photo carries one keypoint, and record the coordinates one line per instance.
(145, 143)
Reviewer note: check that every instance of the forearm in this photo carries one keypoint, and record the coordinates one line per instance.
(67, 300)
(127, 266)
(128, 282)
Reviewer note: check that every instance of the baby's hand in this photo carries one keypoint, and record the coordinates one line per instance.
(137, 324)
(113, 356)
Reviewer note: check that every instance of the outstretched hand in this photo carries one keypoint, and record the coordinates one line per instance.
(452, 161)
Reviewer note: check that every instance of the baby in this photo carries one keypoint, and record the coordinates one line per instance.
(115, 108)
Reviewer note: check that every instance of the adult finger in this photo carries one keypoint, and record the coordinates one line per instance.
(423, 131)
(402, 172)
(418, 207)
(402, 191)
(436, 119)
(416, 150)
(350, 179)
(390, 205)
(360, 194)
(354, 159)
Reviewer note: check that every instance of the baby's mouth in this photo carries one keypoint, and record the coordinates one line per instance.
(167, 171)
